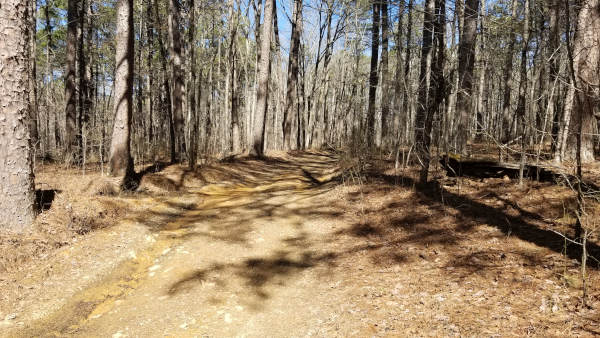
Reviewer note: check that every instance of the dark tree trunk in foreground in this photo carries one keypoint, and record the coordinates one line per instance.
(121, 163)
(70, 78)
(373, 76)
(291, 106)
(16, 166)
(264, 70)
(466, 63)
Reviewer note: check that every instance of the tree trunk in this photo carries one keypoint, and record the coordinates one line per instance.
(121, 163)
(585, 89)
(167, 102)
(406, 106)
(262, 91)
(33, 110)
(150, 77)
(236, 137)
(82, 83)
(385, 97)
(422, 136)
(373, 78)
(553, 46)
(522, 103)
(17, 194)
(398, 81)
(70, 79)
(508, 79)
(178, 89)
(466, 62)
(291, 107)
(192, 120)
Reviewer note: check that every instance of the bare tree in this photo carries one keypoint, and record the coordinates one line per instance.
(178, 88)
(192, 119)
(121, 163)
(16, 163)
(291, 108)
(508, 77)
(583, 97)
(466, 63)
(70, 78)
(232, 83)
(423, 109)
(385, 87)
(264, 70)
(373, 76)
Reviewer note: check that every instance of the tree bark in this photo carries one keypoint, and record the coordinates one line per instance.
(150, 77)
(522, 103)
(508, 78)
(406, 106)
(584, 94)
(167, 101)
(373, 76)
(82, 92)
(70, 79)
(262, 91)
(466, 63)
(192, 120)
(291, 107)
(553, 46)
(236, 136)
(17, 195)
(33, 96)
(178, 88)
(385, 97)
(121, 163)
(422, 131)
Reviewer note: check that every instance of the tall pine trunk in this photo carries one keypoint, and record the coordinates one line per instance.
(466, 63)
(584, 92)
(17, 194)
(33, 95)
(422, 131)
(70, 79)
(178, 88)
(121, 163)
(508, 79)
(373, 76)
(192, 119)
(262, 91)
(385, 96)
(291, 107)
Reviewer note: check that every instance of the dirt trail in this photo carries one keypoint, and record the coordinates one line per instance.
(233, 259)
(276, 249)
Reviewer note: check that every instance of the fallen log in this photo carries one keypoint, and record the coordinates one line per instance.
(457, 167)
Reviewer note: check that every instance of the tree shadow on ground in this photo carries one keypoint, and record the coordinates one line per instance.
(525, 225)
(231, 215)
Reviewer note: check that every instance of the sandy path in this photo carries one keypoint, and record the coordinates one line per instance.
(236, 260)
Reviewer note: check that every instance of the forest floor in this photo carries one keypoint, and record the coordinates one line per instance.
(296, 246)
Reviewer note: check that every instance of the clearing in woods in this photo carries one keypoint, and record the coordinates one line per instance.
(288, 247)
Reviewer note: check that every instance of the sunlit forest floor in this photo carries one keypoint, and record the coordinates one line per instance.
(307, 243)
